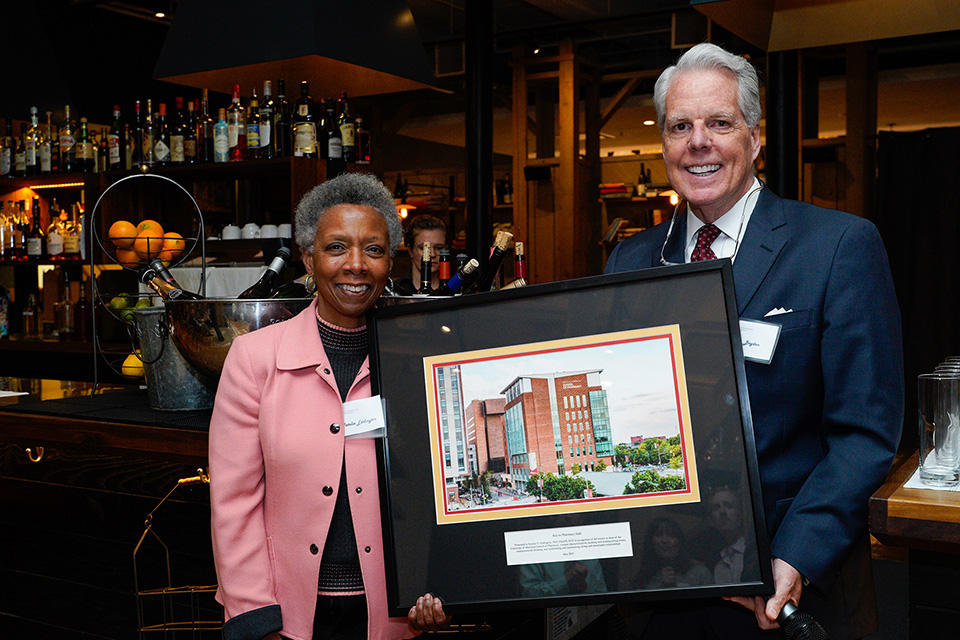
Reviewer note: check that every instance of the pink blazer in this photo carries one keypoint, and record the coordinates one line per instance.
(276, 445)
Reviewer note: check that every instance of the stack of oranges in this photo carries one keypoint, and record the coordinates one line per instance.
(144, 242)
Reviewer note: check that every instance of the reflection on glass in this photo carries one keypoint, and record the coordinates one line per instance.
(667, 562)
(732, 562)
(561, 578)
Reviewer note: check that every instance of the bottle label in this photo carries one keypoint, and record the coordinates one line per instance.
(304, 138)
(113, 143)
(347, 134)
(253, 136)
(161, 151)
(176, 149)
(5, 157)
(84, 150)
(233, 134)
(264, 134)
(31, 153)
(334, 148)
(71, 243)
(66, 141)
(303, 109)
(54, 244)
(45, 158)
(190, 148)
(221, 145)
(34, 247)
(20, 162)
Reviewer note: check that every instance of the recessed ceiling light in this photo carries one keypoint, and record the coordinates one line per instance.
(160, 14)
(649, 123)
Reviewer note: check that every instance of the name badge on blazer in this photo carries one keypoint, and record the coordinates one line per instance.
(759, 340)
(364, 418)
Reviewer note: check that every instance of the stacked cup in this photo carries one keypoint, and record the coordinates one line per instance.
(939, 416)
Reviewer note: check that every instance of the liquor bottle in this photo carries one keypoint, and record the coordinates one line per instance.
(347, 129)
(362, 142)
(83, 150)
(35, 237)
(148, 276)
(205, 134)
(177, 135)
(6, 152)
(425, 258)
(71, 235)
(271, 278)
(282, 126)
(507, 190)
(161, 140)
(68, 138)
(115, 151)
(253, 128)
(103, 151)
(127, 147)
(443, 268)
(33, 140)
(236, 127)
(334, 142)
(63, 311)
(190, 135)
(31, 317)
(149, 135)
(304, 125)
(266, 121)
(54, 239)
(135, 138)
(462, 278)
(490, 270)
(6, 234)
(23, 229)
(45, 152)
(519, 268)
(83, 315)
(221, 138)
(20, 155)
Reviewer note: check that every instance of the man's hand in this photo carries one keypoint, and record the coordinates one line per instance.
(427, 614)
(788, 584)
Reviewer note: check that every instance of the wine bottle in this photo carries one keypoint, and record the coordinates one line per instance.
(462, 278)
(190, 135)
(71, 236)
(135, 138)
(45, 151)
(519, 267)
(334, 141)
(236, 127)
(35, 237)
(55, 233)
(221, 138)
(177, 135)
(490, 270)
(282, 134)
(148, 276)
(443, 268)
(161, 145)
(305, 125)
(271, 278)
(115, 160)
(32, 144)
(253, 127)
(295, 289)
(82, 315)
(205, 134)
(362, 142)
(266, 121)
(102, 151)
(20, 155)
(347, 129)
(425, 258)
(68, 132)
(148, 158)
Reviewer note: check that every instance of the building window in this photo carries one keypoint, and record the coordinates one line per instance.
(569, 439)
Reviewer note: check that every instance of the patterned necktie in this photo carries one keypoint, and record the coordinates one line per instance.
(705, 237)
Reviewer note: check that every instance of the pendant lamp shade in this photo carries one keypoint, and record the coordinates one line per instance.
(363, 47)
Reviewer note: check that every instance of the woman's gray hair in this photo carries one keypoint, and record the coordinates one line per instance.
(347, 188)
(706, 56)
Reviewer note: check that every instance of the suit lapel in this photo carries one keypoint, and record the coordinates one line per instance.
(761, 244)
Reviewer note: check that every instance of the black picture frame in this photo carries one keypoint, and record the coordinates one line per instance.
(465, 561)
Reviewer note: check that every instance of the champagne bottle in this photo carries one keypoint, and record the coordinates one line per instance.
(347, 130)
(115, 150)
(35, 237)
(282, 134)
(305, 125)
(489, 271)
(271, 278)
(519, 267)
(425, 258)
(162, 142)
(177, 135)
(266, 121)
(205, 133)
(68, 133)
(221, 138)
(157, 265)
(253, 128)
(148, 276)
(236, 127)
(462, 278)
(294, 289)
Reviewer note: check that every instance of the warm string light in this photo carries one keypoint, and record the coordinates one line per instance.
(59, 185)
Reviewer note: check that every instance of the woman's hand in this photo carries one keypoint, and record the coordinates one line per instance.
(427, 614)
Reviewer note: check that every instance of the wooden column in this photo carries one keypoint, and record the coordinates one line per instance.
(861, 143)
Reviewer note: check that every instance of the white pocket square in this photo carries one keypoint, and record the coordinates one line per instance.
(776, 312)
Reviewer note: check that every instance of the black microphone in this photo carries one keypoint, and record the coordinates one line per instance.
(799, 625)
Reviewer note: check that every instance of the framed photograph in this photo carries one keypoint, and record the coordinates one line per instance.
(580, 441)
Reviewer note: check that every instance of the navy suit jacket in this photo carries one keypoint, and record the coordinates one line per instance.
(828, 411)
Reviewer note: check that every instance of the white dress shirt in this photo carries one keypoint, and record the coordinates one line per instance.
(732, 225)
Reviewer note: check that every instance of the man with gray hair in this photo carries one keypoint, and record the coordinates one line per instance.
(828, 406)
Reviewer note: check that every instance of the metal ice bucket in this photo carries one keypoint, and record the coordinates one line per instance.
(203, 330)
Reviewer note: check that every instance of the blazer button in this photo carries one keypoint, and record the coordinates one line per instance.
(314, 549)
(327, 371)
(328, 490)
(367, 549)
(335, 428)
(359, 489)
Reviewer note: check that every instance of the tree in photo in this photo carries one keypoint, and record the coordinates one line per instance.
(557, 488)
(649, 481)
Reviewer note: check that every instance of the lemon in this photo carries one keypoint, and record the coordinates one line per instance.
(143, 303)
(118, 303)
(132, 367)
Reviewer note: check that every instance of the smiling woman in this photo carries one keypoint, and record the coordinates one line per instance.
(295, 505)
